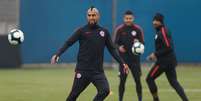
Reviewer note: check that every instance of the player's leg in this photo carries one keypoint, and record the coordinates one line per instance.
(172, 78)
(79, 84)
(100, 82)
(136, 73)
(155, 72)
(122, 82)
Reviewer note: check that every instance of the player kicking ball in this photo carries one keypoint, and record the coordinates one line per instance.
(165, 58)
(89, 68)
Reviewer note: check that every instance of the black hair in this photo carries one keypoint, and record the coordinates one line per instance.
(159, 17)
(92, 7)
(128, 12)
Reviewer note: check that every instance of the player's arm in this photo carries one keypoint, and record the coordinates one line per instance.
(167, 48)
(140, 34)
(113, 51)
(118, 41)
(166, 41)
(66, 45)
(117, 38)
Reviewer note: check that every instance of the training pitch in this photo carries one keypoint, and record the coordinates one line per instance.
(54, 84)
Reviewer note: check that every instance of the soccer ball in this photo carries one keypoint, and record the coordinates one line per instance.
(15, 37)
(138, 48)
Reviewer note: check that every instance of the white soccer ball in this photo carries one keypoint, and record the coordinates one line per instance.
(15, 37)
(138, 48)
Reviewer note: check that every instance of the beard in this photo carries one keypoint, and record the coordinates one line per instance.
(156, 26)
(92, 22)
(129, 24)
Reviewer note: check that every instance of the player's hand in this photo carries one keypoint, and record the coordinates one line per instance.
(152, 57)
(122, 49)
(54, 59)
(126, 69)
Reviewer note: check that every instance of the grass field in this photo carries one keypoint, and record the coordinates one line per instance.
(54, 85)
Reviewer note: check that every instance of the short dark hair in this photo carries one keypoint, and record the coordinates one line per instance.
(128, 12)
(159, 17)
(92, 7)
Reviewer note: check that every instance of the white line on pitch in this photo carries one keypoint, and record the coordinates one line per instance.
(172, 90)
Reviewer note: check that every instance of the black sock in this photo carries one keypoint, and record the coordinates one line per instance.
(155, 96)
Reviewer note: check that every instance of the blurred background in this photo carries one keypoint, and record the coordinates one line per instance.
(48, 23)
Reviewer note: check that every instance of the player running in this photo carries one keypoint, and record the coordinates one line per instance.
(126, 35)
(165, 58)
(89, 69)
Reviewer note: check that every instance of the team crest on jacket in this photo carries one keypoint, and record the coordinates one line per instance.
(156, 36)
(102, 33)
(78, 75)
(133, 33)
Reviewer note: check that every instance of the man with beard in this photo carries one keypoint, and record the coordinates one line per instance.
(165, 58)
(89, 68)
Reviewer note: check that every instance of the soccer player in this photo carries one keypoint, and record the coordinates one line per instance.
(126, 35)
(89, 69)
(165, 58)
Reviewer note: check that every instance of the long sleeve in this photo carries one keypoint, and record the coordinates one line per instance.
(141, 36)
(69, 42)
(140, 33)
(117, 38)
(117, 32)
(111, 48)
(166, 43)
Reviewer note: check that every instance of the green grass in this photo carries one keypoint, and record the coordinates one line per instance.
(55, 84)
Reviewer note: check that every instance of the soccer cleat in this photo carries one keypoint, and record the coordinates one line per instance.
(156, 99)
